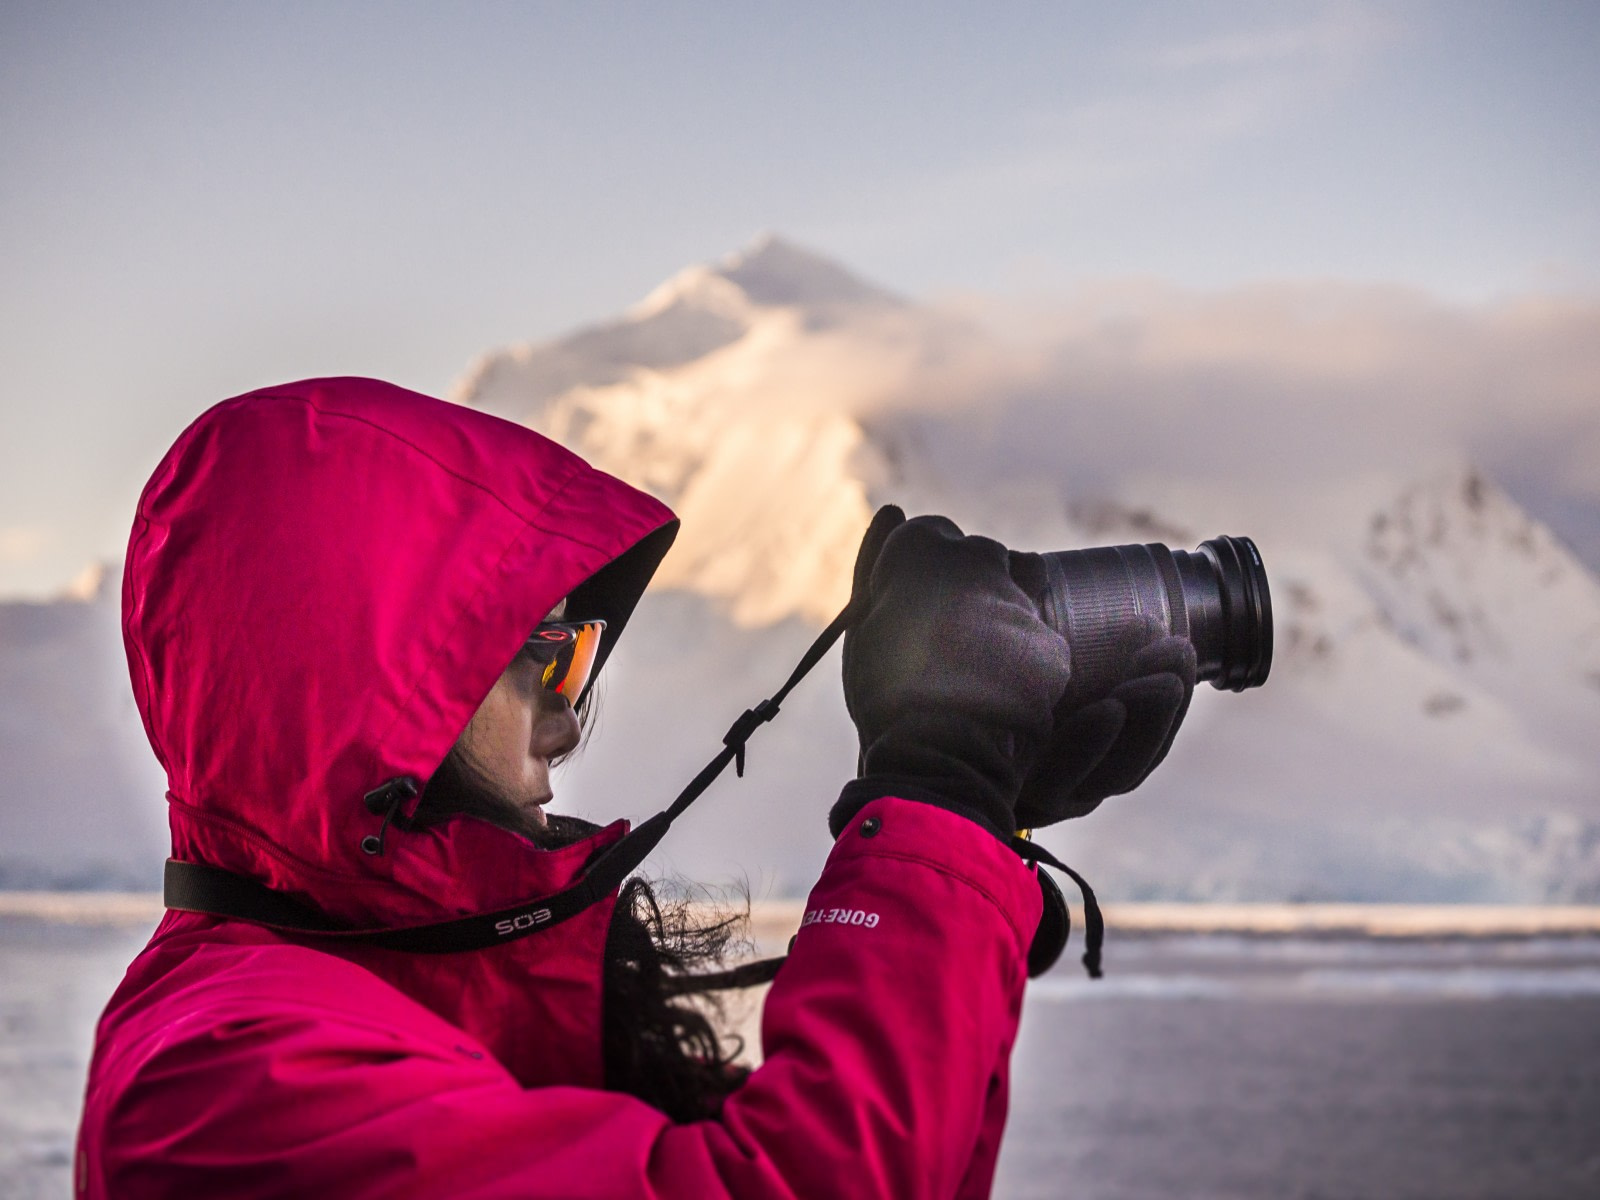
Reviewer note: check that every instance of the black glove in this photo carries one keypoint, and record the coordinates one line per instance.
(950, 675)
(1106, 745)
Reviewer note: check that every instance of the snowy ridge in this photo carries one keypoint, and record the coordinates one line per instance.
(1463, 574)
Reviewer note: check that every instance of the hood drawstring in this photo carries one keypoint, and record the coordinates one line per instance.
(387, 800)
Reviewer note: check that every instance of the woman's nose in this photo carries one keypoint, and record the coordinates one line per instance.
(555, 729)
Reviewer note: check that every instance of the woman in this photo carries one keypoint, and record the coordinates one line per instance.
(325, 585)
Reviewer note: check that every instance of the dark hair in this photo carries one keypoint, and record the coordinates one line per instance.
(656, 1045)
(662, 1049)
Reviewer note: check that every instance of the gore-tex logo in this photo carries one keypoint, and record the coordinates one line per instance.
(840, 916)
(527, 920)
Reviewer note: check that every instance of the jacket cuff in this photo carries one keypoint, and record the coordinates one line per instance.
(910, 830)
(861, 792)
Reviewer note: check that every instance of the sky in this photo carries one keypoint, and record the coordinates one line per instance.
(200, 199)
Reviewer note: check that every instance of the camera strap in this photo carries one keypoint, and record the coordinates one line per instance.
(195, 887)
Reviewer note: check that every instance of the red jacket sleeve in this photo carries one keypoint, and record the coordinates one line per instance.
(887, 1036)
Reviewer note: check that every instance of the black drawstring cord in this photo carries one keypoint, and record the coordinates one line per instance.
(1094, 932)
(387, 800)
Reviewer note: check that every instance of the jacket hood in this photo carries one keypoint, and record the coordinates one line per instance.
(323, 581)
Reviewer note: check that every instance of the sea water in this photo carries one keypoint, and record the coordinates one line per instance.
(1202, 1065)
(1234, 1068)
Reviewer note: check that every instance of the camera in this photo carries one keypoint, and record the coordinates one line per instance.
(1216, 597)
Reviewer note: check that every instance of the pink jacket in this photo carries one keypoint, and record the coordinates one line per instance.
(323, 580)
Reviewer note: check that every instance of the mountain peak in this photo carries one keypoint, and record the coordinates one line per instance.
(771, 272)
(698, 311)
(775, 272)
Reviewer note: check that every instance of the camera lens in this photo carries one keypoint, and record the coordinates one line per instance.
(1216, 597)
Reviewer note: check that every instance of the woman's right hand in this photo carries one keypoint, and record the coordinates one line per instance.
(950, 675)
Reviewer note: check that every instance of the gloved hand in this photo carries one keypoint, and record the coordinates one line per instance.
(1096, 745)
(950, 675)
(1107, 745)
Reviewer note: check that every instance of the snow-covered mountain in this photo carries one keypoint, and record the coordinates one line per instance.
(735, 392)
(1472, 581)
(1428, 732)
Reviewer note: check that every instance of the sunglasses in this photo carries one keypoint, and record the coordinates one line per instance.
(567, 650)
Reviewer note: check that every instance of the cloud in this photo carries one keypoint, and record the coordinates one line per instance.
(1184, 101)
(1285, 387)
(1334, 37)
(1292, 411)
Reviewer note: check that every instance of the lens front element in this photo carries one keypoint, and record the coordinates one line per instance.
(1246, 613)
